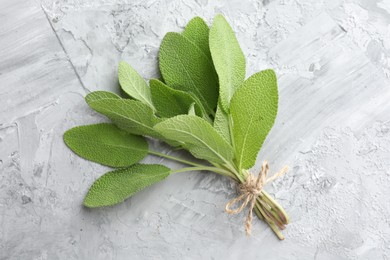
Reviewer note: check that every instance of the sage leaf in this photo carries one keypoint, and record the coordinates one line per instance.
(253, 108)
(116, 186)
(185, 67)
(106, 144)
(132, 116)
(198, 137)
(221, 123)
(133, 84)
(97, 95)
(169, 102)
(197, 31)
(228, 58)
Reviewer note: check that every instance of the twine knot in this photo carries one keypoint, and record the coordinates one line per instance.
(249, 191)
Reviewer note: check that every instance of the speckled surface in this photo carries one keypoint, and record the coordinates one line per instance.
(333, 129)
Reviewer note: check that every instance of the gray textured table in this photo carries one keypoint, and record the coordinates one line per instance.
(333, 128)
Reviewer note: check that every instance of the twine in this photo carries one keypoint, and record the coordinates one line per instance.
(249, 191)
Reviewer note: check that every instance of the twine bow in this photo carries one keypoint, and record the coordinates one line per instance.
(249, 191)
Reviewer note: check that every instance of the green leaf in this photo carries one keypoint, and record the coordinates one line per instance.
(198, 136)
(185, 67)
(197, 31)
(228, 58)
(253, 108)
(97, 95)
(133, 84)
(169, 102)
(116, 186)
(106, 144)
(221, 123)
(130, 115)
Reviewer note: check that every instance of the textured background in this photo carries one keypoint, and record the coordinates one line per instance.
(332, 58)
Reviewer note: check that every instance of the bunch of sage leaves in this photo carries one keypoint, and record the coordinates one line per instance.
(202, 104)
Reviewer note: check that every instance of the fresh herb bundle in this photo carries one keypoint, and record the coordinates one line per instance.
(203, 104)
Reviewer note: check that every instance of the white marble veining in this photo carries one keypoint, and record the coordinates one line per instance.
(332, 59)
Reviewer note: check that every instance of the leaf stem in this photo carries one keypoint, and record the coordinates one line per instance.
(186, 169)
(276, 206)
(173, 158)
(272, 225)
(271, 213)
(196, 166)
(206, 168)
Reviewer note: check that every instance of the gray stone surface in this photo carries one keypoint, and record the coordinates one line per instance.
(332, 58)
